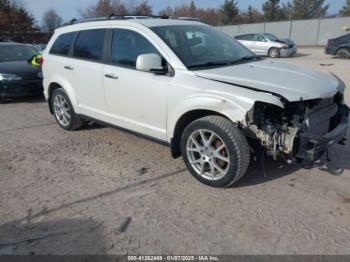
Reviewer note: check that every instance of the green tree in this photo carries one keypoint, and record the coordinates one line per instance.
(14, 17)
(346, 9)
(252, 15)
(272, 10)
(192, 9)
(308, 9)
(229, 12)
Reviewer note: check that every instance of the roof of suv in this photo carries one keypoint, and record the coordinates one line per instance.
(164, 22)
(144, 22)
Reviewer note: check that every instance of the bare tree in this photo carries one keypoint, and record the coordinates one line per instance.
(168, 11)
(144, 8)
(51, 21)
(105, 8)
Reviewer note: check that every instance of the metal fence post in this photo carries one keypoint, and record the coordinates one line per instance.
(318, 31)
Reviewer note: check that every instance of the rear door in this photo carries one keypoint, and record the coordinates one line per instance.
(87, 68)
(246, 40)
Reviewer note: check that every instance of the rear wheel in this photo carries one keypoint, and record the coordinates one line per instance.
(274, 52)
(63, 111)
(343, 53)
(215, 151)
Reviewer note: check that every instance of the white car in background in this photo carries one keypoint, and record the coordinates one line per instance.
(265, 44)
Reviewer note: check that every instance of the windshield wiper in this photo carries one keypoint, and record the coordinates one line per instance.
(209, 64)
(221, 63)
(248, 57)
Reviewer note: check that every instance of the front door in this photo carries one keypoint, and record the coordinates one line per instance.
(136, 100)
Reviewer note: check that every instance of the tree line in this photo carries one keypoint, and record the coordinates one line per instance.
(14, 17)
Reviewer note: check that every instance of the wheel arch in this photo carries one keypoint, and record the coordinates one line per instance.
(184, 121)
(273, 47)
(66, 87)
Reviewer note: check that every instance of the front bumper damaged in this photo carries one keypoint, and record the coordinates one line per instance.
(311, 148)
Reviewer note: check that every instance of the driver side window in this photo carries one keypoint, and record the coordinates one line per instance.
(127, 45)
(259, 38)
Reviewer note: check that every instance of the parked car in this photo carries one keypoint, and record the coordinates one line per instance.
(18, 78)
(266, 44)
(194, 88)
(339, 47)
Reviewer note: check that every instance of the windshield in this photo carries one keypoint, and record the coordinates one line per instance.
(10, 53)
(200, 46)
(272, 37)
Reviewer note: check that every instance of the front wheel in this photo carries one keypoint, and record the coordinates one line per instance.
(215, 151)
(274, 52)
(343, 53)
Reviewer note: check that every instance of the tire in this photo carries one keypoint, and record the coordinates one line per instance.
(343, 53)
(63, 110)
(226, 150)
(274, 52)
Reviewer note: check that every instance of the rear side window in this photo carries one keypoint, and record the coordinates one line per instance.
(62, 44)
(127, 45)
(245, 37)
(90, 44)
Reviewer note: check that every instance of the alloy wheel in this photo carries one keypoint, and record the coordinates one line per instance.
(208, 154)
(62, 111)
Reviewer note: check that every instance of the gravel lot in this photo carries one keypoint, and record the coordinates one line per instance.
(70, 191)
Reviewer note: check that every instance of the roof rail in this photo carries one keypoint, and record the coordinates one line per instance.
(124, 17)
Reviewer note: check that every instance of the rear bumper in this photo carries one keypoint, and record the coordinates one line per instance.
(20, 88)
(311, 149)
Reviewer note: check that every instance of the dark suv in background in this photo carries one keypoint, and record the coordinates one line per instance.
(339, 47)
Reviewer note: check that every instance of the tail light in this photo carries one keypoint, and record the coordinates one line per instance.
(41, 60)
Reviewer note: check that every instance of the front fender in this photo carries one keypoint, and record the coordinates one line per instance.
(221, 105)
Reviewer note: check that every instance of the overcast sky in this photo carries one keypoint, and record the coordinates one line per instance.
(68, 9)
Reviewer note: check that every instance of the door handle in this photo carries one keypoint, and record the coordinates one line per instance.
(68, 67)
(112, 76)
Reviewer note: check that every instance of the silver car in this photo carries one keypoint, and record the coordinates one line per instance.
(266, 44)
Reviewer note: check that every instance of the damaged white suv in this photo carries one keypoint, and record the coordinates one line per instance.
(194, 88)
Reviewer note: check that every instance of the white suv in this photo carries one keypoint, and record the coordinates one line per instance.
(189, 85)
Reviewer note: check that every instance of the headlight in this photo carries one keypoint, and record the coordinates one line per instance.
(284, 46)
(9, 77)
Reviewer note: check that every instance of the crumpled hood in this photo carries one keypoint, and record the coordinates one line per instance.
(291, 82)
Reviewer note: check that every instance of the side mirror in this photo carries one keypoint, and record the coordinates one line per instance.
(150, 63)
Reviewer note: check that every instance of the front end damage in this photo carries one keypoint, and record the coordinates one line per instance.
(301, 131)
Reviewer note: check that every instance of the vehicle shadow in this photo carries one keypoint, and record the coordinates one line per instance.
(299, 55)
(259, 173)
(335, 163)
(67, 236)
(30, 99)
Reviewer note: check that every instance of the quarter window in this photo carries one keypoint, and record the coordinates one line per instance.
(127, 45)
(62, 44)
(90, 44)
